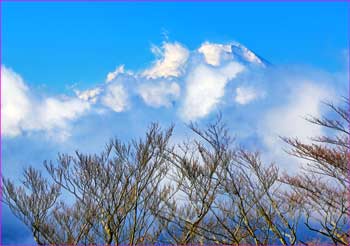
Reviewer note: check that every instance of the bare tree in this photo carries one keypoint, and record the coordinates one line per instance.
(228, 196)
(322, 189)
(197, 166)
(207, 190)
(112, 194)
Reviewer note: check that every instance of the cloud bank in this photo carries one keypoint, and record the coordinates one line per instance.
(259, 101)
(22, 112)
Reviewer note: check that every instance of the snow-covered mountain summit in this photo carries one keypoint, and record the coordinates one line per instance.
(245, 55)
(215, 53)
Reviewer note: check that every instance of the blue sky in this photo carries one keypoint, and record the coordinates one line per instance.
(63, 43)
(75, 75)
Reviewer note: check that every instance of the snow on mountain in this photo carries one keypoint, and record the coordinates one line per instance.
(246, 56)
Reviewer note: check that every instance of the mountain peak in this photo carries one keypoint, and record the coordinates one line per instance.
(245, 55)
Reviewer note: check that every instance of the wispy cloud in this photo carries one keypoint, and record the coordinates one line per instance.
(159, 94)
(245, 95)
(305, 99)
(89, 95)
(171, 60)
(119, 70)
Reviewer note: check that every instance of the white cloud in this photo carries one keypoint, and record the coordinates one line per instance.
(245, 95)
(289, 120)
(57, 113)
(89, 95)
(15, 102)
(160, 94)
(214, 53)
(22, 112)
(115, 97)
(202, 78)
(172, 58)
(119, 70)
(205, 87)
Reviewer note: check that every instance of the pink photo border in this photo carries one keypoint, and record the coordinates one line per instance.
(348, 60)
